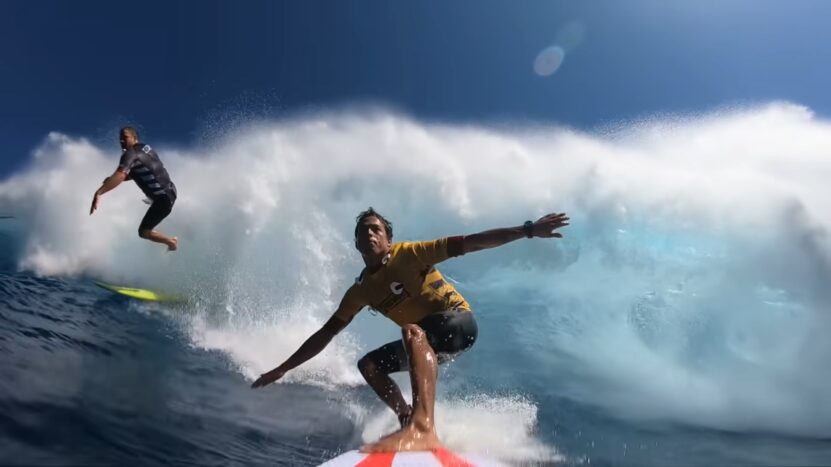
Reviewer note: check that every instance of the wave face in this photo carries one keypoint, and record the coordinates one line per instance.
(691, 287)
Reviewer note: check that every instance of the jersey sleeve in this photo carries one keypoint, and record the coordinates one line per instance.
(435, 251)
(126, 161)
(351, 304)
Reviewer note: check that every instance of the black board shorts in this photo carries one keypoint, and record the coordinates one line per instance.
(160, 209)
(449, 333)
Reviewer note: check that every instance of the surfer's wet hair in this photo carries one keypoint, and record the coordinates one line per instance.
(128, 129)
(372, 213)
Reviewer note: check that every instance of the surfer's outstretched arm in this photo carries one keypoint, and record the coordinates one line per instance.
(313, 346)
(109, 183)
(544, 227)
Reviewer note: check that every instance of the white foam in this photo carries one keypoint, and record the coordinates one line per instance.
(691, 286)
(503, 428)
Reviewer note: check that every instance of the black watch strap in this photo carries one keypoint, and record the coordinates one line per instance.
(528, 228)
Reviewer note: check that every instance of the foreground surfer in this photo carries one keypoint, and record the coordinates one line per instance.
(141, 163)
(400, 281)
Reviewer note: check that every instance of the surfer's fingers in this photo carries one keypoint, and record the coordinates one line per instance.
(553, 216)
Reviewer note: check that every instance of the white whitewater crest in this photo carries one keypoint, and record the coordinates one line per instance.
(691, 286)
(497, 426)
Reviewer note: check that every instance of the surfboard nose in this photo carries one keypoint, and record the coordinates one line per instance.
(438, 457)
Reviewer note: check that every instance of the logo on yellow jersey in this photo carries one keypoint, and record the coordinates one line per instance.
(398, 295)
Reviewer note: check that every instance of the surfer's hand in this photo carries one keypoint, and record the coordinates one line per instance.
(546, 225)
(267, 378)
(94, 203)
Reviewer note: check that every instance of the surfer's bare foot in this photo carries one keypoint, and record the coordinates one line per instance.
(409, 438)
(173, 244)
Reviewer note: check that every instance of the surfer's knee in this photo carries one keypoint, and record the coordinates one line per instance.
(144, 233)
(367, 367)
(411, 332)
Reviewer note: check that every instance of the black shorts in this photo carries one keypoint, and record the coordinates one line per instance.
(160, 209)
(449, 332)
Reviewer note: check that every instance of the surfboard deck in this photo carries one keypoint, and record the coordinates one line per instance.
(139, 294)
(437, 457)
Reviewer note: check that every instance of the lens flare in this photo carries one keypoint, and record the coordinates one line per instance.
(549, 60)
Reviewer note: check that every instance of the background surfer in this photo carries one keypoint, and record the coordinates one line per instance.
(141, 163)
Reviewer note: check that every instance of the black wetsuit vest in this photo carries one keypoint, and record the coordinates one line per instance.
(142, 164)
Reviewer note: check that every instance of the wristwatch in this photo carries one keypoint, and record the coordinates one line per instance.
(528, 228)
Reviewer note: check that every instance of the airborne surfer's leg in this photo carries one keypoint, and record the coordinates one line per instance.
(155, 214)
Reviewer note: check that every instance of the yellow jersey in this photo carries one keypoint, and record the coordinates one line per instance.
(407, 287)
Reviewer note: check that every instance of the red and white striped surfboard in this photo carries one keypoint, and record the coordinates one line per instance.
(437, 457)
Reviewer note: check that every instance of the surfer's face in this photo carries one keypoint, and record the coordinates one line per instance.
(372, 239)
(127, 139)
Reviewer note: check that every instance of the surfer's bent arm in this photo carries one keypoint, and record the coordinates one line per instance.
(111, 182)
(314, 344)
(122, 172)
(543, 227)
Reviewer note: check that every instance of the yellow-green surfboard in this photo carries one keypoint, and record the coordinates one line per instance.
(139, 294)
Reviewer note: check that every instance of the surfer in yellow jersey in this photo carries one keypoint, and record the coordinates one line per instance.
(400, 281)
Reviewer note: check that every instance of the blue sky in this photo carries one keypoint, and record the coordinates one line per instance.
(177, 69)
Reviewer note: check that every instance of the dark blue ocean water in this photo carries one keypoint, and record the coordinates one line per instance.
(88, 377)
